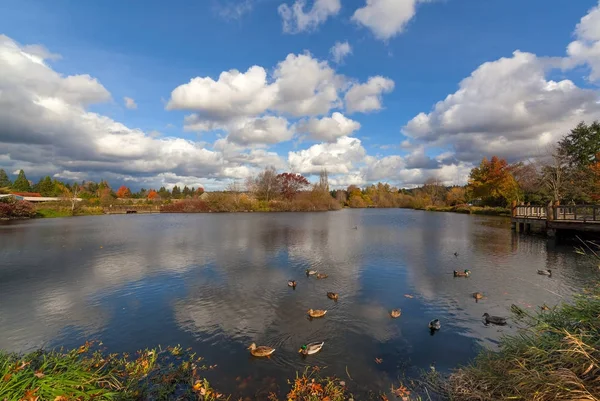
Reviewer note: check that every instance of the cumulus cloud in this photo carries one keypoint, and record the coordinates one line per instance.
(339, 51)
(46, 128)
(506, 107)
(265, 130)
(586, 48)
(368, 96)
(386, 18)
(329, 128)
(296, 20)
(130, 103)
(337, 157)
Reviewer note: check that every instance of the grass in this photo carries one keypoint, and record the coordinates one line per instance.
(54, 211)
(480, 210)
(555, 356)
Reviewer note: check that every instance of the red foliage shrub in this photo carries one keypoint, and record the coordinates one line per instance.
(10, 208)
(186, 206)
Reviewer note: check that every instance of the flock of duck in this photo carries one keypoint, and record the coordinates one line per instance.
(434, 325)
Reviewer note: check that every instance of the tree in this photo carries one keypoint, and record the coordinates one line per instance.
(176, 192)
(199, 191)
(186, 192)
(493, 182)
(265, 185)
(164, 193)
(69, 194)
(123, 192)
(554, 175)
(456, 196)
(21, 184)
(45, 187)
(434, 190)
(4, 180)
(152, 195)
(581, 146)
(529, 181)
(291, 184)
(323, 181)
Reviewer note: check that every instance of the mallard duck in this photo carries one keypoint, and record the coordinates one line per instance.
(260, 351)
(321, 275)
(395, 313)
(316, 312)
(310, 272)
(544, 307)
(435, 324)
(501, 321)
(545, 272)
(292, 283)
(333, 295)
(477, 295)
(465, 273)
(311, 348)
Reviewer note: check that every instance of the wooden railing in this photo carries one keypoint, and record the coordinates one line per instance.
(583, 213)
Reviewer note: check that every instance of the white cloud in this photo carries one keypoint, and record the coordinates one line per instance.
(339, 51)
(367, 97)
(234, 10)
(296, 20)
(386, 18)
(586, 49)
(130, 103)
(265, 130)
(328, 129)
(506, 107)
(338, 157)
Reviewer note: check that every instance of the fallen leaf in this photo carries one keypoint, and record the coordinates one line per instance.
(39, 375)
(61, 398)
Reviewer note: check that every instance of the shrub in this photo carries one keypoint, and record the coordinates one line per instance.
(186, 206)
(12, 208)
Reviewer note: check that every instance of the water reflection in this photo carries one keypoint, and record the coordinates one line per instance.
(219, 282)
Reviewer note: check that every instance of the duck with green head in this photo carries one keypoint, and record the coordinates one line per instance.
(311, 348)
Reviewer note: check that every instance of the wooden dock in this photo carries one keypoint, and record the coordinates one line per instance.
(554, 218)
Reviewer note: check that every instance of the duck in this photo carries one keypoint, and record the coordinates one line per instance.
(545, 272)
(544, 307)
(395, 313)
(435, 325)
(477, 296)
(456, 254)
(316, 312)
(260, 351)
(292, 283)
(464, 273)
(333, 295)
(321, 275)
(310, 272)
(311, 348)
(501, 321)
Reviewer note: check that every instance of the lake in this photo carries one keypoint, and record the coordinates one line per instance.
(218, 282)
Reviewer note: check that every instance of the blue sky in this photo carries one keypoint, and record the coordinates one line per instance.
(419, 52)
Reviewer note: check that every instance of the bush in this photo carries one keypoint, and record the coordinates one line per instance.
(12, 208)
(186, 206)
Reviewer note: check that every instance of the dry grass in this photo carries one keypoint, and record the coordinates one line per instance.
(556, 357)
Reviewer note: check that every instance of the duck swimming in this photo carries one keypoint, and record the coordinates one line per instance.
(395, 313)
(435, 325)
(333, 295)
(292, 283)
(545, 272)
(477, 296)
(310, 272)
(321, 275)
(316, 312)
(465, 273)
(500, 321)
(311, 348)
(261, 351)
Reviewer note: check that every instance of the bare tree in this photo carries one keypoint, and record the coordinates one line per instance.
(434, 189)
(70, 195)
(266, 184)
(323, 181)
(235, 188)
(554, 174)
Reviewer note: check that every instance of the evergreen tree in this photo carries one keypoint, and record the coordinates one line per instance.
(186, 192)
(21, 184)
(164, 193)
(4, 180)
(176, 192)
(45, 186)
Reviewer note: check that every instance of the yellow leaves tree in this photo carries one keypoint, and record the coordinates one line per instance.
(456, 196)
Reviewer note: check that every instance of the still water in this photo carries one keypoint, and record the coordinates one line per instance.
(218, 282)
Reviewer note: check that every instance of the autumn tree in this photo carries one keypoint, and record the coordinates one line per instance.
(69, 194)
(493, 182)
(456, 196)
(4, 180)
(153, 195)
(434, 190)
(123, 192)
(199, 191)
(21, 184)
(291, 184)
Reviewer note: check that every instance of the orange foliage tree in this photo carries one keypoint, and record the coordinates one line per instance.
(493, 182)
(152, 194)
(123, 192)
